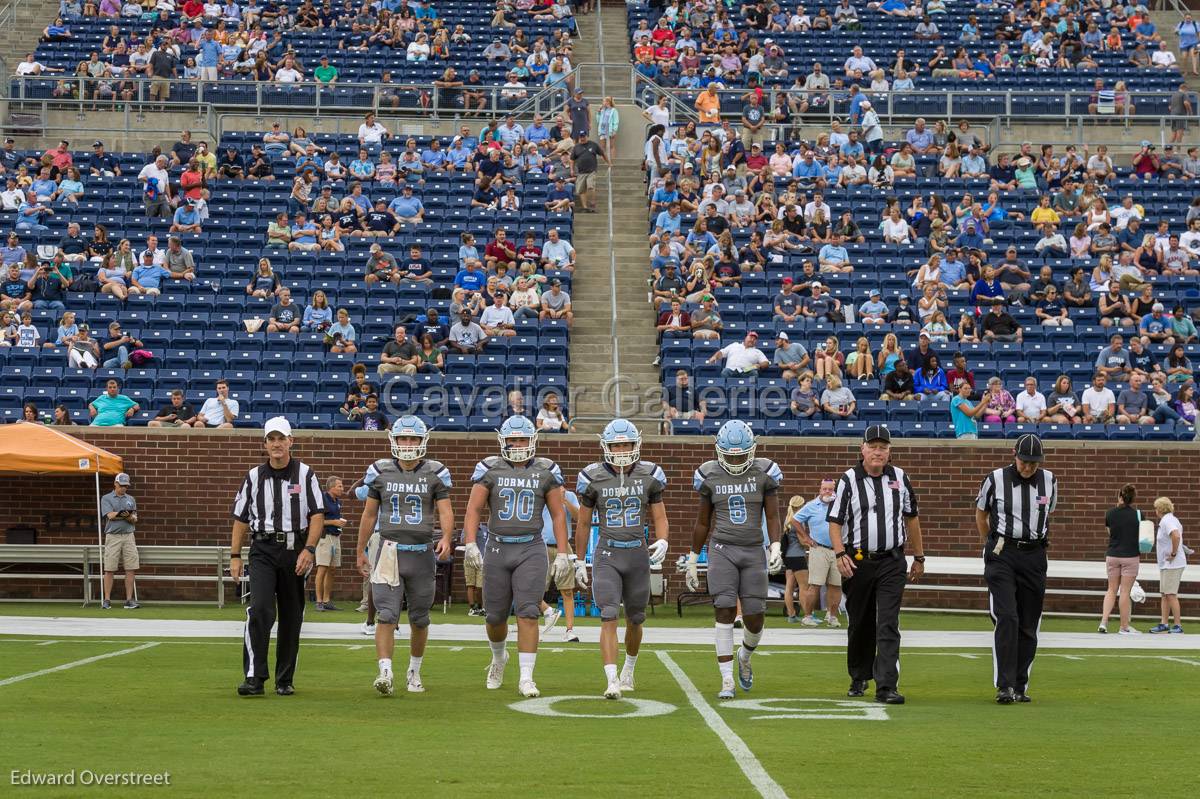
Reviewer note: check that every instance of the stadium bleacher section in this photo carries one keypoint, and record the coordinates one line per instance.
(1162, 192)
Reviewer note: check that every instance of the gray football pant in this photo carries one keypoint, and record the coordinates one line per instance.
(738, 572)
(417, 571)
(621, 575)
(513, 573)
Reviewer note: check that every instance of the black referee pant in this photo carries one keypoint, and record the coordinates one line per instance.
(1016, 581)
(873, 597)
(273, 578)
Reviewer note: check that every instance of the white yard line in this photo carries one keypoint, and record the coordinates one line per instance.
(1183, 660)
(73, 664)
(742, 755)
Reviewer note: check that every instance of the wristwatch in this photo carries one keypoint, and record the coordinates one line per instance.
(919, 558)
(310, 550)
(235, 555)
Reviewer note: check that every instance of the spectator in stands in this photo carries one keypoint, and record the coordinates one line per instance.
(1099, 403)
(999, 325)
(49, 284)
(219, 411)
(1182, 326)
(584, 161)
(285, 314)
(264, 283)
(1031, 403)
(1000, 404)
(790, 357)
(837, 401)
(466, 337)
(1177, 365)
(15, 293)
(556, 304)
(1062, 405)
(929, 382)
(83, 352)
(497, 319)
(176, 413)
(33, 215)
(1113, 361)
(551, 418)
(179, 261)
(117, 348)
(1133, 403)
(557, 253)
(742, 358)
(112, 408)
(964, 415)
(156, 187)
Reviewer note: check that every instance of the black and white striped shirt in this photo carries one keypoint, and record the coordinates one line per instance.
(1019, 508)
(279, 500)
(872, 510)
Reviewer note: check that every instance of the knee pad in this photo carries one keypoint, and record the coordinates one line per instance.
(608, 613)
(496, 618)
(419, 619)
(386, 617)
(635, 616)
(753, 606)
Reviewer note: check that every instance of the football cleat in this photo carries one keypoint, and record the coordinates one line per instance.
(495, 673)
(613, 691)
(528, 689)
(726, 688)
(549, 620)
(626, 681)
(745, 673)
(413, 681)
(384, 684)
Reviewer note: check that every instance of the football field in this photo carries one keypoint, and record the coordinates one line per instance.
(164, 702)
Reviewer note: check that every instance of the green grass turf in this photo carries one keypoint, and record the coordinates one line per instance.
(693, 616)
(1089, 733)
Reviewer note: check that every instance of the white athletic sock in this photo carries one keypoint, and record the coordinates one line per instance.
(610, 671)
(385, 664)
(630, 663)
(726, 667)
(414, 662)
(750, 642)
(549, 609)
(527, 659)
(724, 639)
(497, 650)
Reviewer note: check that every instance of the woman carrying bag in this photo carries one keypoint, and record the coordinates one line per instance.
(1122, 559)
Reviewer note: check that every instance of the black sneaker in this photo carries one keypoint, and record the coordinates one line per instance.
(1005, 696)
(889, 696)
(320, 606)
(1023, 697)
(105, 605)
(251, 687)
(857, 688)
(285, 690)
(331, 606)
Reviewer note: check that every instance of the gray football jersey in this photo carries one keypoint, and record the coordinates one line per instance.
(621, 501)
(408, 500)
(737, 499)
(516, 493)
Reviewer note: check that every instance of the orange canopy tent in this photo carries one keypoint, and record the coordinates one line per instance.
(27, 448)
(37, 449)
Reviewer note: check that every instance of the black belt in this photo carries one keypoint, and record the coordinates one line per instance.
(822, 546)
(887, 554)
(331, 533)
(1022, 544)
(278, 538)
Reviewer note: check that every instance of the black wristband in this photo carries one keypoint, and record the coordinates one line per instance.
(919, 558)
(310, 550)
(842, 554)
(233, 555)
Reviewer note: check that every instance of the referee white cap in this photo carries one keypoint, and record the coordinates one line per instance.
(277, 424)
(1029, 448)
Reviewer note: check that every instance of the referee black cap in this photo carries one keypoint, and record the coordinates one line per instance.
(1029, 448)
(879, 432)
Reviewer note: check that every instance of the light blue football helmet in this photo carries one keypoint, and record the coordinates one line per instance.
(517, 427)
(735, 440)
(621, 431)
(408, 427)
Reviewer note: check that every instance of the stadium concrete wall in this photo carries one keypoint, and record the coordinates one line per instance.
(185, 482)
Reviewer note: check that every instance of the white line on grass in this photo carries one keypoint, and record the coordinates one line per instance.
(742, 755)
(47, 643)
(1182, 660)
(73, 664)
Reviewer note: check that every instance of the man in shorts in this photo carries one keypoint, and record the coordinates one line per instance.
(119, 509)
(473, 578)
(329, 548)
(583, 156)
(566, 582)
(813, 529)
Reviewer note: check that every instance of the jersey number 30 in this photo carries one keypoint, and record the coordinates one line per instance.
(623, 514)
(516, 504)
(413, 517)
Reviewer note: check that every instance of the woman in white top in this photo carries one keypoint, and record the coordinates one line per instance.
(930, 303)
(1172, 558)
(895, 229)
(551, 418)
(930, 273)
(1098, 215)
(656, 155)
(659, 114)
(418, 51)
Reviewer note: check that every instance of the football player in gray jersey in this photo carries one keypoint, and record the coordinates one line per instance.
(621, 489)
(412, 491)
(515, 486)
(736, 491)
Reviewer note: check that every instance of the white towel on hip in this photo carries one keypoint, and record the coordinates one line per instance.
(387, 571)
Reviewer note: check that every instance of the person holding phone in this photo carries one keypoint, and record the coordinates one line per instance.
(119, 510)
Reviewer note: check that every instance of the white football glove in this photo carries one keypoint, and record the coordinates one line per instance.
(472, 556)
(692, 581)
(658, 551)
(581, 575)
(561, 567)
(774, 559)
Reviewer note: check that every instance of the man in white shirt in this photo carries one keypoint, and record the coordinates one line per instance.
(1122, 213)
(1031, 403)
(742, 358)
(1163, 58)
(31, 67)
(371, 131)
(1099, 403)
(288, 72)
(1190, 240)
(557, 253)
(817, 204)
(497, 319)
(156, 187)
(858, 62)
(218, 411)
(12, 197)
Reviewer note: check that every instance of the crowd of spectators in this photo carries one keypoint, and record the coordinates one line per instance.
(739, 194)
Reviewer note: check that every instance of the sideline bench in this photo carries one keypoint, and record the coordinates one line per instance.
(973, 567)
(85, 562)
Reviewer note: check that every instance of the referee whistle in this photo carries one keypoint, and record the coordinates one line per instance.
(858, 555)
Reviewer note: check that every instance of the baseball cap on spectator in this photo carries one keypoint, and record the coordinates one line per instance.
(782, 334)
(876, 293)
(555, 282)
(1158, 306)
(706, 298)
(753, 333)
(121, 479)
(816, 284)
(788, 281)
(97, 143)
(277, 424)
(376, 248)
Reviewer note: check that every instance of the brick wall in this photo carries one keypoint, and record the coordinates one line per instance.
(185, 482)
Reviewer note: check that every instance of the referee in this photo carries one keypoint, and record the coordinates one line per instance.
(281, 507)
(1012, 514)
(873, 514)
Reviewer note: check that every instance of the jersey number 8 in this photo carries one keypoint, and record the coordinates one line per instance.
(516, 503)
(413, 517)
(737, 509)
(627, 514)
